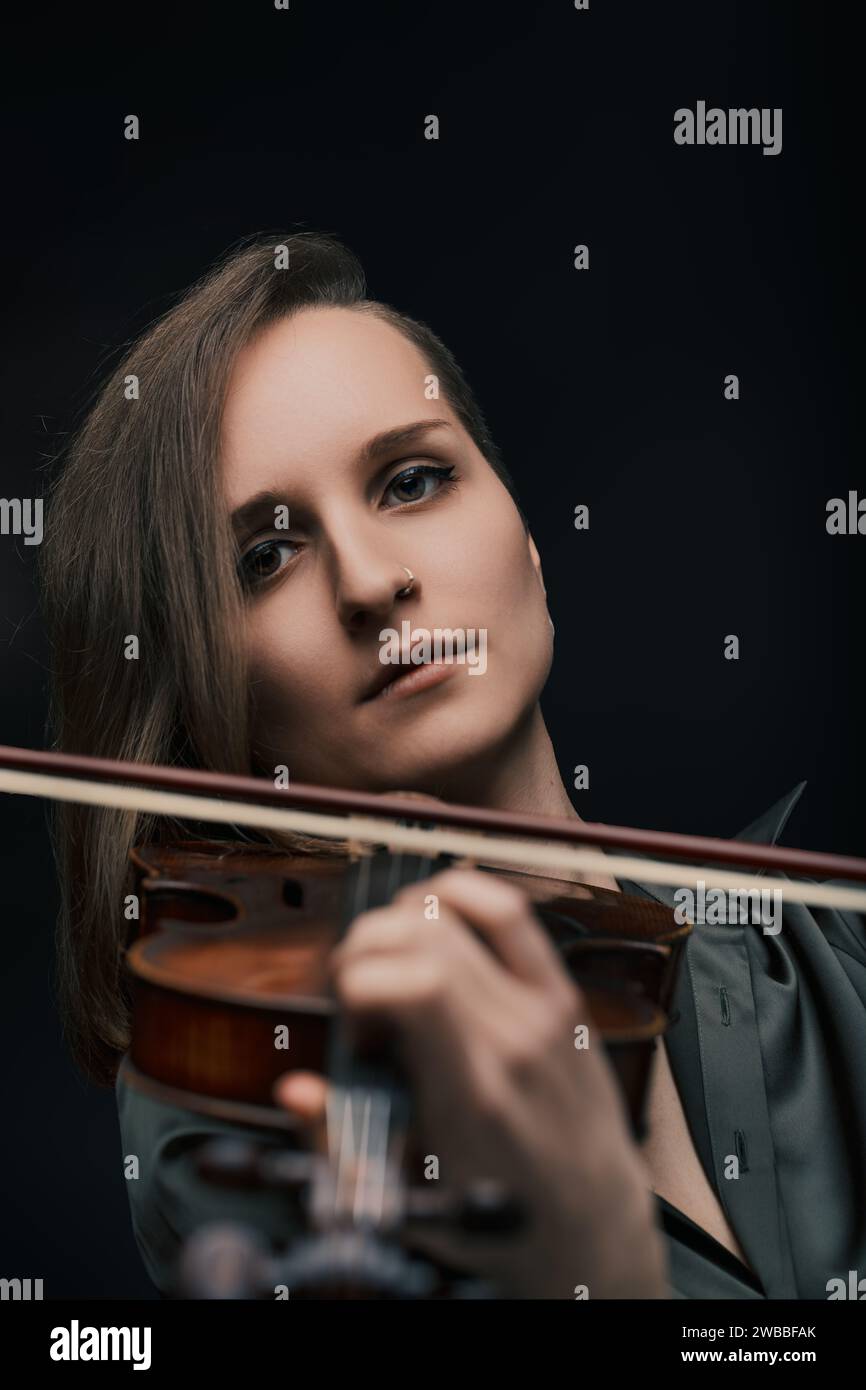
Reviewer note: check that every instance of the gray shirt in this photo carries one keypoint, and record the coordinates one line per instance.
(768, 1051)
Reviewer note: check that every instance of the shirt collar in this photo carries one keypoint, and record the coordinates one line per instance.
(765, 830)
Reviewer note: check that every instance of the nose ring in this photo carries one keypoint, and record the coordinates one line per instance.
(407, 588)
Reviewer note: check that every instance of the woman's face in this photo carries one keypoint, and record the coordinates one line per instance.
(305, 400)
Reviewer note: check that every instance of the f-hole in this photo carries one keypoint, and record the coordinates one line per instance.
(184, 902)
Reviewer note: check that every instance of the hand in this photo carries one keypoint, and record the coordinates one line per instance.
(485, 1018)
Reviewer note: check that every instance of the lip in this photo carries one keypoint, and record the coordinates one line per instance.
(412, 680)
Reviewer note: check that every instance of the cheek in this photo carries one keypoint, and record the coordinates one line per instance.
(502, 591)
(504, 574)
(288, 666)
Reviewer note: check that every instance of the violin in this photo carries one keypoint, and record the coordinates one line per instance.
(233, 946)
(230, 991)
(229, 971)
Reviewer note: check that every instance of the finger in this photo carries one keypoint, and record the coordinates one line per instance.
(399, 935)
(394, 927)
(503, 916)
(302, 1093)
(397, 987)
(436, 1011)
(404, 929)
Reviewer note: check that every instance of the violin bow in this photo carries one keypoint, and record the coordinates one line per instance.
(507, 838)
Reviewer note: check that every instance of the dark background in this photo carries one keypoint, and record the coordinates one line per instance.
(707, 516)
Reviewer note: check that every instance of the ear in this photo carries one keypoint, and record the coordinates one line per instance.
(536, 561)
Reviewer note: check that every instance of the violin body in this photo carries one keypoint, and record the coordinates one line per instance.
(230, 972)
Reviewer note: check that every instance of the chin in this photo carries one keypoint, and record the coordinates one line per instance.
(443, 753)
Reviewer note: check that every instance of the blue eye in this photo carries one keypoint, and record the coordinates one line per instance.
(413, 483)
(255, 569)
(262, 562)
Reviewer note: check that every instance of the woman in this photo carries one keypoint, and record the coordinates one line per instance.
(279, 473)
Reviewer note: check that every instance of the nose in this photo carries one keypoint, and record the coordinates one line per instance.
(368, 581)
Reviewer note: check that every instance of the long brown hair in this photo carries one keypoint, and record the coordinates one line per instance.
(137, 545)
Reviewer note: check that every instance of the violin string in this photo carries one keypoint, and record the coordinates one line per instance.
(340, 1117)
(362, 1105)
(363, 1099)
(360, 1209)
(378, 1137)
(364, 1115)
(382, 1117)
(374, 1160)
(345, 1165)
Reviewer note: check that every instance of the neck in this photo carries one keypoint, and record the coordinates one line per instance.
(524, 778)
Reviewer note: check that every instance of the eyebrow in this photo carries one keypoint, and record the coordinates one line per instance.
(400, 437)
